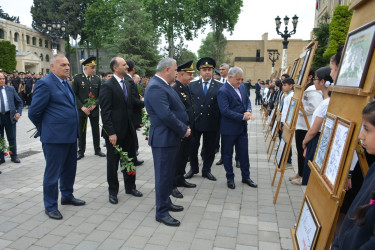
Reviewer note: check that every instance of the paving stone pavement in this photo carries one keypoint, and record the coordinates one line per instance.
(215, 217)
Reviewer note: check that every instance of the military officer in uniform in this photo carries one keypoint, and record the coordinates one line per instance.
(184, 76)
(16, 81)
(207, 117)
(29, 85)
(83, 85)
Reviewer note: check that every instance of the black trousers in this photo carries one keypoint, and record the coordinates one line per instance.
(94, 121)
(209, 143)
(258, 98)
(300, 135)
(10, 129)
(113, 160)
(182, 159)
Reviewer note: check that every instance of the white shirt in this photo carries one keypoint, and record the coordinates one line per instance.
(163, 80)
(321, 111)
(287, 99)
(311, 100)
(119, 81)
(6, 104)
(208, 84)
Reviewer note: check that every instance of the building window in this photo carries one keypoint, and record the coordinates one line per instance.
(1, 34)
(27, 39)
(47, 71)
(16, 37)
(45, 44)
(34, 41)
(58, 47)
(40, 42)
(47, 58)
(41, 57)
(42, 71)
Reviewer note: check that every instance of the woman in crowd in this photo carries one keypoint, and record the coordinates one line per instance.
(322, 81)
(310, 100)
(358, 228)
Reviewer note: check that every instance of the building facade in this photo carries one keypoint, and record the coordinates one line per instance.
(323, 6)
(34, 48)
(252, 55)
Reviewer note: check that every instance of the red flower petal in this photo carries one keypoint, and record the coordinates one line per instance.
(146, 138)
(10, 152)
(129, 173)
(6, 154)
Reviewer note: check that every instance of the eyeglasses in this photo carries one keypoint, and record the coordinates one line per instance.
(316, 79)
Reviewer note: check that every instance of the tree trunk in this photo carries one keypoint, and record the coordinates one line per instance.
(88, 49)
(97, 61)
(77, 58)
(68, 50)
(171, 47)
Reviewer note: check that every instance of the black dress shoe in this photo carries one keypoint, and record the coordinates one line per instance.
(138, 163)
(0, 172)
(186, 184)
(80, 156)
(209, 176)
(220, 162)
(175, 208)
(169, 221)
(190, 174)
(176, 193)
(55, 214)
(237, 164)
(230, 184)
(99, 153)
(74, 202)
(249, 182)
(134, 192)
(113, 199)
(15, 159)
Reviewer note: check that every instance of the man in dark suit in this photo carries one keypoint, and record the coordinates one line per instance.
(10, 112)
(207, 117)
(116, 110)
(53, 111)
(258, 96)
(184, 76)
(138, 105)
(235, 108)
(169, 125)
(83, 85)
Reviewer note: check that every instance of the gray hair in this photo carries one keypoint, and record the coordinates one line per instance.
(234, 71)
(225, 65)
(165, 63)
(52, 60)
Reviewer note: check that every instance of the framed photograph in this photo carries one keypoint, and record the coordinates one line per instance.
(291, 111)
(308, 227)
(341, 137)
(280, 152)
(304, 65)
(273, 131)
(356, 58)
(324, 140)
(294, 68)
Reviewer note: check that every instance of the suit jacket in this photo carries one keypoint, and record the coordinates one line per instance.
(53, 112)
(138, 104)
(14, 102)
(115, 110)
(169, 120)
(185, 96)
(257, 87)
(82, 86)
(207, 114)
(232, 110)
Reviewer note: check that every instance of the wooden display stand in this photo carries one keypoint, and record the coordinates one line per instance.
(289, 127)
(346, 103)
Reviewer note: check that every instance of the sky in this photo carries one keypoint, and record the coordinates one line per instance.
(256, 18)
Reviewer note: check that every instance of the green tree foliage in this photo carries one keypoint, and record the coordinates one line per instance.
(182, 54)
(7, 56)
(6, 16)
(321, 34)
(134, 36)
(338, 29)
(210, 47)
(176, 19)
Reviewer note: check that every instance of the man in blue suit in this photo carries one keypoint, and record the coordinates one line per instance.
(235, 108)
(10, 112)
(53, 111)
(169, 125)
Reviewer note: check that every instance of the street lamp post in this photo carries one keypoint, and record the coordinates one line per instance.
(273, 55)
(285, 35)
(54, 30)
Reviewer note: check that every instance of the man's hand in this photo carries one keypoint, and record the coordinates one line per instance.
(92, 107)
(113, 139)
(86, 110)
(16, 116)
(250, 116)
(188, 132)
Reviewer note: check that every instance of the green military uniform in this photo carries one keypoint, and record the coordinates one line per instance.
(82, 86)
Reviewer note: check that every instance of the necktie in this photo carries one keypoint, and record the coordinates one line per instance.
(65, 83)
(124, 89)
(205, 88)
(2, 110)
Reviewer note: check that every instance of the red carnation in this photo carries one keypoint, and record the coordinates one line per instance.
(6, 154)
(129, 173)
(146, 138)
(10, 152)
(133, 172)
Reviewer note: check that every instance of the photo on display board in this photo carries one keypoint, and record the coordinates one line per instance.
(294, 68)
(279, 152)
(291, 111)
(274, 129)
(304, 66)
(308, 227)
(338, 148)
(324, 140)
(356, 57)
